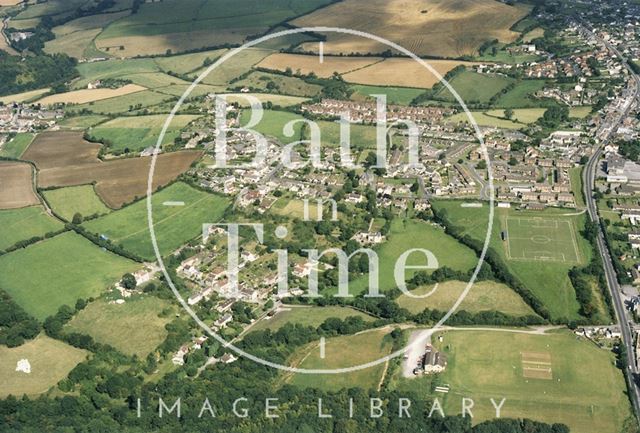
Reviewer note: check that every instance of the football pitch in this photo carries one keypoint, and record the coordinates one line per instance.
(541, 239)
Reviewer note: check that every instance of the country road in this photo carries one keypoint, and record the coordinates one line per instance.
(588, 181)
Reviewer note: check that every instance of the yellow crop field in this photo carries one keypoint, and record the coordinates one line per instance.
(402, 72)
(90, 95)
(305, 64)
(24, 96)
(442, 28)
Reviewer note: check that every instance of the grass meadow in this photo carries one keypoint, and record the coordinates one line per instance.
(59, 271)
(68, 201)
(483, 296)
(474, 87)
(307, 316)
(133, 328)
(51, 360)
(24, 223)
(342, 352)
(16, 147)
(174, 225)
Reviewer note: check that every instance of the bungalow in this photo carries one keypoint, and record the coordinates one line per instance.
(223, 321)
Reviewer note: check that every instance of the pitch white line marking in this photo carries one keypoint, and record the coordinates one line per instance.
(173, 203)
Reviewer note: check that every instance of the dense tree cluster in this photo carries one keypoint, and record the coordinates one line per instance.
(16, 325)
(19, 74)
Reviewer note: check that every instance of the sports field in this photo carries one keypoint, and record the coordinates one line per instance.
(51, 360)
(307, 316)
(543, 377)
(483, 296)
(342, 352)
(133, 328)
(426, 27)
(541, 239)
(547, 279)
(25, 223)
(59, 271)
(68, 201)
(395, 95)
(174, 225)
(16, 147)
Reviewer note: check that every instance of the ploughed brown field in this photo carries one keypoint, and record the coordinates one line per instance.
(65, 158)
(16, 188)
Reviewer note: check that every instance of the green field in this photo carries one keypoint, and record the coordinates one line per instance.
(483, 296)
(51, 360)
(68, 201)
(521, 96)
(307, 316)
(16, 147)
(474, 87)
(482, 119)
(395, 95)
(541, 239)
(133, 328)
(407, 234)
(82, 122)
(548, 280)
(174, 225)
(342, 352)
(234, 67)
(578, 383)
(25, 223)
(125, 103)
(185, 63)
(59, 271)
(259, 81)
(136, 133)
(575, 175)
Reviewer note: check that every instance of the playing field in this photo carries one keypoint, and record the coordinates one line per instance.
(134, 328)
(548, 279)
(483, 296)
(174, 225)
(25, 223)
(16, 147)
(342, 352)
(68, 201)
(51, 360)
(17, 185)
(542, 239)
(59, 271)
(543, 377)
(307, 316)
(426, 27)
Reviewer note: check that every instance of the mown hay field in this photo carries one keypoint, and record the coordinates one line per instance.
(68, 201)
(441, 28)
(90, 95)
(133, 328)
(51, 361)
(17, 186)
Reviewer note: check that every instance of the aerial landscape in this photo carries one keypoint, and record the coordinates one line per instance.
(320, 216)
